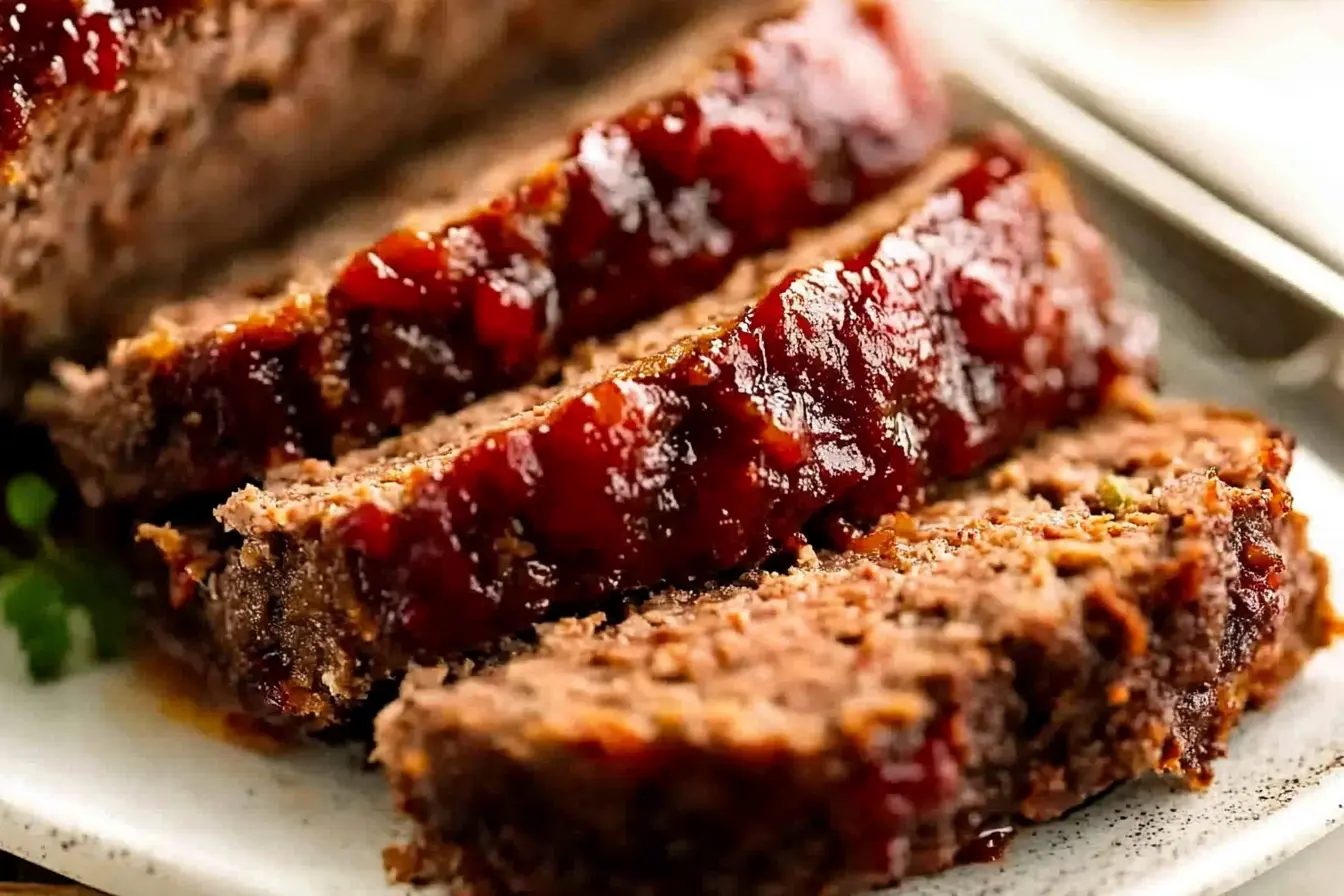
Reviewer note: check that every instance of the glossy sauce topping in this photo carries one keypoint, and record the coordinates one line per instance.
(990, 846)
(801, 121)
(845, 392)
(50, 46)
(813, 115)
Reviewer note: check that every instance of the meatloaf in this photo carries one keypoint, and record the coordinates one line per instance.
(1105, 605)
(139, 135)
(925, 336)
(718, 149)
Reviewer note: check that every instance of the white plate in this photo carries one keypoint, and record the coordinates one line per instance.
(1244, 94)
(97, 783)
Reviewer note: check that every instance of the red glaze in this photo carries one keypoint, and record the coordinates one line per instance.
(50, 46)
(813, 115)
(846, 391)
(797, 124)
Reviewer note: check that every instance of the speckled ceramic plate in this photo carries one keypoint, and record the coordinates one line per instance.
(98, 783)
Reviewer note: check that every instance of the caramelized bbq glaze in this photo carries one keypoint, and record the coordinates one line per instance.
(849, 389)
(841, 394)
(50, 46)
(802, 120)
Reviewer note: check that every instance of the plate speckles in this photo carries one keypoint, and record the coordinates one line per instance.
(1281, 788)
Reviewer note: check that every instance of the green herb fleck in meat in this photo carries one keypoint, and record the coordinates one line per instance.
(1116, 494)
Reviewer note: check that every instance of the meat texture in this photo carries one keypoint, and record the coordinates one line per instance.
(140, 136)
(714, 151)
(1103, 606)
(910, 346)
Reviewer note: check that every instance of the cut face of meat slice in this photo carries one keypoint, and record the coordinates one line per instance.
(910, 346)
(1103, 606)
(786, 125)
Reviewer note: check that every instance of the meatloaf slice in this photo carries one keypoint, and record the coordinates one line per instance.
(720, 149)
(139, 135)
(919, 340)
(1103, 606)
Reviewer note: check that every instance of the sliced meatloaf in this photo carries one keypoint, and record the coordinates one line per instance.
(1105, 605)
(719, 148)
(416, 185)
(922, 338)
(139, 135)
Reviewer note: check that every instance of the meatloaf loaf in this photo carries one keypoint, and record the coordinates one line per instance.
(1104, 605)
(722, 147)
(138, 135)
(928, 334)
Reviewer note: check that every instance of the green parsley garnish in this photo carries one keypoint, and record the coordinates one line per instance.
(41, 588)
(1117, 495)
(29, 501)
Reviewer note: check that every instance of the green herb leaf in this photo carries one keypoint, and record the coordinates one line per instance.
(102, 588)
(47, 651)
(33, 606)
(29, 501)
(37, 594)
(25, 593)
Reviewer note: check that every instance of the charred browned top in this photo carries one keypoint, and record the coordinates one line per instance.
(801, 119)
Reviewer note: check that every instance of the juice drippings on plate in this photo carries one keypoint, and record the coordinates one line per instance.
(989, 847)
(184, 695)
